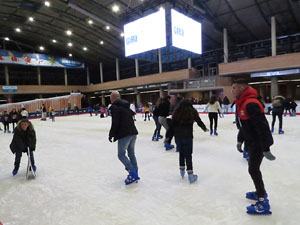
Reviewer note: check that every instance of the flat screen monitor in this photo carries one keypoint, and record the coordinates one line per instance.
(145, 34)
(186, 33)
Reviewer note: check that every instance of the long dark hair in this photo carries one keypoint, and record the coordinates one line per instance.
(212, 100)
(185, 112)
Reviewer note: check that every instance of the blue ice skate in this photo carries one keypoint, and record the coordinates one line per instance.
(272, 129)
(15, 171)
(211, 132)
(182, 172)
(245, 155)
(253, 196)
(132, 177)
(177, 149)
(154, 138)
(280, 131)
(192, 177)
(160, 136)
(215, 132)
(168, 146)
(261, 207)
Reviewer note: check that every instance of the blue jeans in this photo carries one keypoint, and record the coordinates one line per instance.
(127, 143)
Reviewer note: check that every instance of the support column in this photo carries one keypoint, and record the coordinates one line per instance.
(261, 92)
(39, 75)
(161, 92)
(274, 80)
(190, 63)
(101, 73)
(103, 99)
(88, 75)
(117, 69)
(137, 72)
(6, 75)
(138, 97)
(159, 61)
(66, 76)
(225, 39)
(289, 90)
(9, 98)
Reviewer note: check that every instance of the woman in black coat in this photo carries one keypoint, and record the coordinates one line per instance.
(24, 137)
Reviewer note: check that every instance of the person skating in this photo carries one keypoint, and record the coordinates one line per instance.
(6, 120)
(14, 117)
(214, 108)
(258, 139)
(278, 105)
(164, 112)
(24, 137)
(156, 136)
(181, 127)
(124, 131)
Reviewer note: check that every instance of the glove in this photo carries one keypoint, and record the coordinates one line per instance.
(110, 139)
(269, 155)
(239, 147)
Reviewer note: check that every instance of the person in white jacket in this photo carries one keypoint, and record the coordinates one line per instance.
(214, 110)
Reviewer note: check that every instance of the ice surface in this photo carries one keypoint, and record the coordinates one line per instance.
(81, 181)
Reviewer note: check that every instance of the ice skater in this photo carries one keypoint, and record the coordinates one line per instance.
(6, 120)
(156, 136)
(214, 108)
(24, 137)
(181, 127)
(124, 131)
(277, 111)
(258, 139)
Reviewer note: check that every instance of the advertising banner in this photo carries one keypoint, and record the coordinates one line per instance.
(34, 59)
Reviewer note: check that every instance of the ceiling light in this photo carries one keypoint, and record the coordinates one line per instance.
(31, 19)
(85, 48)
(107, 27)
(47, 3)
(115, 8)
(122, 34)
(90, 22)
(54, 41)
(69, 32)
(101, 42)
(70, 55)
(42, 48)
(6, 39)
(70, 44)
(18, 29)
(161, 8)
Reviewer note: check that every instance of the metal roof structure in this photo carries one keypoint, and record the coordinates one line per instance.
(245, 20)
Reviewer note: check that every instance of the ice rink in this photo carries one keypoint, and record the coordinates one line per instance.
(80, 180)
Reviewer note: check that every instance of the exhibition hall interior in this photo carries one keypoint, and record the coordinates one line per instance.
(60, 62)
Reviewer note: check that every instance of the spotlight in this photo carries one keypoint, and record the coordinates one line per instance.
(70, 44)
(42, 48)
(47, 3)
(69, 33)
(18, 29)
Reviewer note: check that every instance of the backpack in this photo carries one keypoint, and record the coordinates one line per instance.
(277, 103)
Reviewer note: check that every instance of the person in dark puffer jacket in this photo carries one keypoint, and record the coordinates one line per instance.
(124, 131)
(24, 137)
(258, 139)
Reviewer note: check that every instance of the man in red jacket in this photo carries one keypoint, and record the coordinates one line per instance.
(258, 139)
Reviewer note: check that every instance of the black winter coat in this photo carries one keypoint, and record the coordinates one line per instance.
(164, 109)
(122, 123)
(178, 128)
(255, 130)
(23, 139)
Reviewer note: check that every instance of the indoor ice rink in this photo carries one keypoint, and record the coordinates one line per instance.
(81, 181)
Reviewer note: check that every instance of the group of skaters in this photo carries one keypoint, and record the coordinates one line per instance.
(11, 118)
(254, 132)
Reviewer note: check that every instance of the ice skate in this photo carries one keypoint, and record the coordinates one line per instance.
(253, 196)
(192, 177)
(132, 177)
(261, 207)
(168, 146)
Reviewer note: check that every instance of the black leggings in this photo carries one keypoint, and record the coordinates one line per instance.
(213, 116)
(279, 114)
(255, 159)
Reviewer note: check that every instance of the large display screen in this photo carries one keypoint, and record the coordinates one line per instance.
(276, 73)
(186, 33)
(145, 34)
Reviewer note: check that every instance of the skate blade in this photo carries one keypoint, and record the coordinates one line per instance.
(263, 213)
